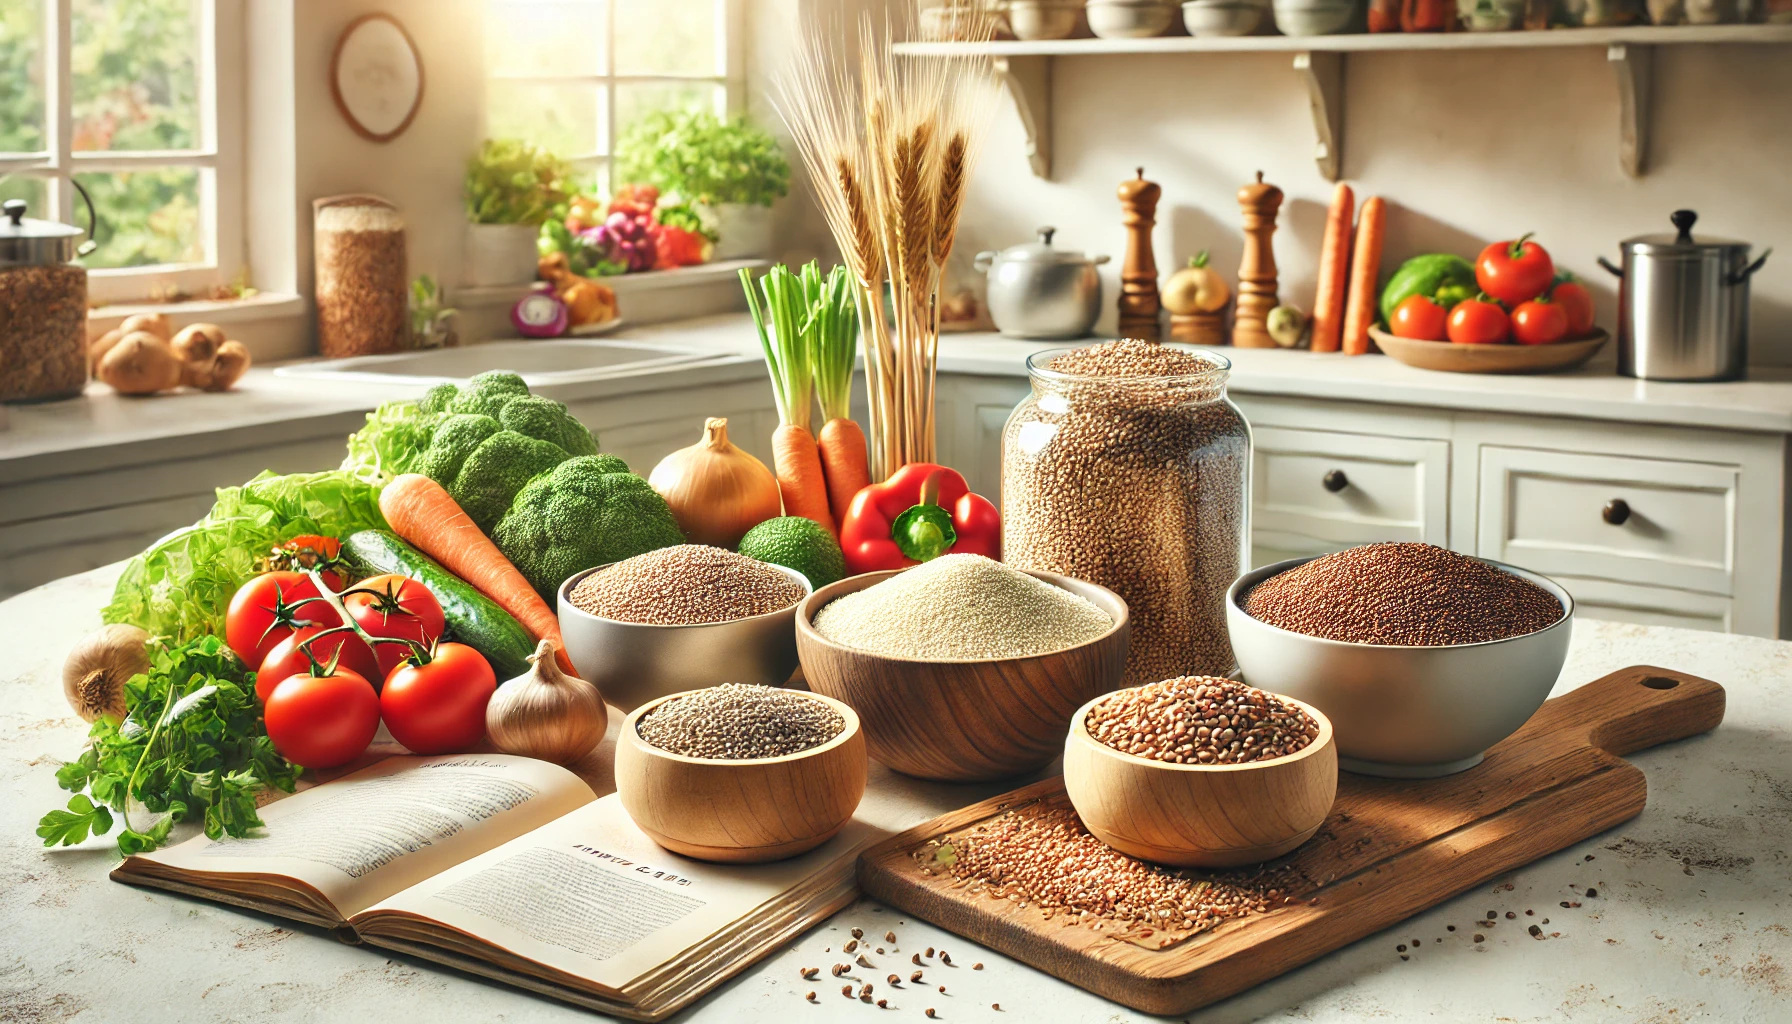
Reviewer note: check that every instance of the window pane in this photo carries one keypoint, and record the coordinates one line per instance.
(144, 217)
(567, 119)
(136, 74)
(667, 37)
(546, 37)
(21, 76)
(637, 98)
(35, 191)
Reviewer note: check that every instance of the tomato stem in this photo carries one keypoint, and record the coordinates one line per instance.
(1517, 249)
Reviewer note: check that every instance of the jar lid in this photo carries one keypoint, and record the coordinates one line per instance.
(1683, 242)
(24, 240)
(1041, 251)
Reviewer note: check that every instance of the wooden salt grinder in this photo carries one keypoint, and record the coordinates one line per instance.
(1139, 302)
(1257, 273)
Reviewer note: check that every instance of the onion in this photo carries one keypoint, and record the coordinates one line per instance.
(717, 491)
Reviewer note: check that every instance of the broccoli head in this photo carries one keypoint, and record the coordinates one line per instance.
(488, 393)
(495, 471)
(586, 511)
(436, 399)
(547, 420)
(453, 440)
(502, 396)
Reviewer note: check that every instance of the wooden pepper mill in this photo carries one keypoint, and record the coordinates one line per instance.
(1139, 302)
(1257, 273)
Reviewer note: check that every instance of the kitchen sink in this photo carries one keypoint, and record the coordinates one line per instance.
(557, 361)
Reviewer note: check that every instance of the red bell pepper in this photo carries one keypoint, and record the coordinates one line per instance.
(921, 512)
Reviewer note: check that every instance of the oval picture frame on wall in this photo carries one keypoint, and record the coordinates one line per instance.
(376, 77)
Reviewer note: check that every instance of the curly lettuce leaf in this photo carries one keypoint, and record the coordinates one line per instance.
(390, 444)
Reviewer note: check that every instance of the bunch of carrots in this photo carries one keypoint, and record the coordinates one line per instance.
(809, 329)
(1344, 307)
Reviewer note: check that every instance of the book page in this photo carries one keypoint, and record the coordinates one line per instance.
(368, 835)
(592, 896)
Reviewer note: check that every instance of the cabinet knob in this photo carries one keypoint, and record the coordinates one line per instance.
(1615, 511)
(1334, 480)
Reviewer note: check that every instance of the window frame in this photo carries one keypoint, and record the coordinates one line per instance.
(218, 158)
(730, 74)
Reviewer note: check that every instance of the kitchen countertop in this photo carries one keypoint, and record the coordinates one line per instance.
(1693, 921)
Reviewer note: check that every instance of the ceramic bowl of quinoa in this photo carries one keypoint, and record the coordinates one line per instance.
(678, 619)
(1422, 658)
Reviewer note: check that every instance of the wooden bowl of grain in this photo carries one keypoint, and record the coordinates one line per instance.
(1194, 814)
(744, 810)
(964, 719)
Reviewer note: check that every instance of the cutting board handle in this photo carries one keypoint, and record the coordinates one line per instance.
(1636, 708)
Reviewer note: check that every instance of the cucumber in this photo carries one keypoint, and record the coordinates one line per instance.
(471, 617)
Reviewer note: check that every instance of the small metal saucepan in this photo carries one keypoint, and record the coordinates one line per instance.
(1037, 291)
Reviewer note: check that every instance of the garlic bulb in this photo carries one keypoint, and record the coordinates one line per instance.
(717, 491)
(93, 677)
(546, 713)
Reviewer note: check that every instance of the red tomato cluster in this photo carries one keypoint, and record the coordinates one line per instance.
(325, 684)
(1522, 300)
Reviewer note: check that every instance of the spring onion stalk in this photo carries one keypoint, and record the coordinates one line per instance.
(833, 330)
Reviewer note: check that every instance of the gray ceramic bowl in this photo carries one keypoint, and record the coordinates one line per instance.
(1405, 712)
(1223, 17)
(631, 663)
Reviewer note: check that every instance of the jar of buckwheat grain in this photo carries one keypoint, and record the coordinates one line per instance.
(43, 308)
(1128, 466)
(362, 293)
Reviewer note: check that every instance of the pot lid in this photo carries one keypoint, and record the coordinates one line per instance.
(1682, 242)
(25, 240)
(1041, 251)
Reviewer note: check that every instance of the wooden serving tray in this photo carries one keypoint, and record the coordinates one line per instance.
(1390, 849)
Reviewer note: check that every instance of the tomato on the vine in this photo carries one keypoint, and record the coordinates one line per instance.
(1575, 301)
(1417, 316)
(266, 610)
(321, 721)
(285, 659)
(398, 608)
(1539, 322)
(1516, 271)
(1478, 322)
(436, 703)
(312, 552)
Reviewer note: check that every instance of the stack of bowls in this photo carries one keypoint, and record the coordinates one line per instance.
(1223, 17)
(1317, 17)
(1044, 19)
(1130, 19)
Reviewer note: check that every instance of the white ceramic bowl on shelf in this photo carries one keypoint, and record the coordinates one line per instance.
(1130, 19)
(1316, 17)
(1222, 17)
(1044, 19)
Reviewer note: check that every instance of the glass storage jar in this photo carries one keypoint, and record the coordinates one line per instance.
(1139, 484)
(363, 295)
(43, 308)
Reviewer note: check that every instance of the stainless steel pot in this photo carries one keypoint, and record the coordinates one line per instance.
(1683, 305)
(1037, 291)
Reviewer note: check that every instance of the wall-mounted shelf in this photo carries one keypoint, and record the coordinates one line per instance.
(1025, 70)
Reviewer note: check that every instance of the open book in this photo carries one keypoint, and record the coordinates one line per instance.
(512, 869)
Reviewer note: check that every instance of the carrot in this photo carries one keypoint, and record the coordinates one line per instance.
(797, 462)
(420, 511)
(1365, 264)
(1334, 264)
(843, 462)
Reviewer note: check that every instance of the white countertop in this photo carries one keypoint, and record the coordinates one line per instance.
(1693, 921)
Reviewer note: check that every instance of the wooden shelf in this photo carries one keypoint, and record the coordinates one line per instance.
(1024, 68)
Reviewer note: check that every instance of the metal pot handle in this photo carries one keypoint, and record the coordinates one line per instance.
(93, 222)
(983, 259)
(1607, 264)
(1742, 276)
(1099, 260)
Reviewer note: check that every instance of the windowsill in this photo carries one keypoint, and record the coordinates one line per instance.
(261, 306)
(707, 275)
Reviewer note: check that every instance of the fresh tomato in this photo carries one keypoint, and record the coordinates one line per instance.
(1514, 272)
(1417, 316)
(1577, 302)
(436, 704)
(311, 551)
(1478, 321)
(398, 608)
(1539, 322)
(266, 610)
(321, 721)
(285, 659)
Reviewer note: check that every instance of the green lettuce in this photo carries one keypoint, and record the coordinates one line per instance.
(390, 444)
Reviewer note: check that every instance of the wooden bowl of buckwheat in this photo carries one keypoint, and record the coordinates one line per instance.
(1200, 771)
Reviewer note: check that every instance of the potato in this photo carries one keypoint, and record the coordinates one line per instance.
(229, 366)
(140, 364)
(198, 343)
(100, 346)
(155, 323)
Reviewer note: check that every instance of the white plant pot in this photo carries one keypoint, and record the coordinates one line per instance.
(746, 231)
(500, 254)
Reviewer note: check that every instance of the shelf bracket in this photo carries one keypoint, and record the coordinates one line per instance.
(1635, 68)
(1323, 71)
(1028, 80)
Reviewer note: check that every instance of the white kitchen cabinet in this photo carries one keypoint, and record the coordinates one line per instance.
(1314, 491)
(970, 412)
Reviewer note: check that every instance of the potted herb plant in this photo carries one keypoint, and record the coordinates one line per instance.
(512, 188)
(735, 169)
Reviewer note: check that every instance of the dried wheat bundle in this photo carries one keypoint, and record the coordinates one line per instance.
(889, 142)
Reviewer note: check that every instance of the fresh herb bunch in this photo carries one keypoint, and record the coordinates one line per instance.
(192, 744)
(512, 182)
(704, 158)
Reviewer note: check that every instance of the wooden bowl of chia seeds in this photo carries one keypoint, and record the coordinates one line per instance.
(1416, 709)
(698, 786)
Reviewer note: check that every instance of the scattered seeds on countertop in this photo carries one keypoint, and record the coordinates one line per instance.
(889, 936)
(915, 978)
(977, 966)
(858, 933)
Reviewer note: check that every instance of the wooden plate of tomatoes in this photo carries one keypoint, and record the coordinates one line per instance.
(1494, 358)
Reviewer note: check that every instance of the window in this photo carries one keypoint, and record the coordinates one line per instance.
(124, 97)
(571, 75)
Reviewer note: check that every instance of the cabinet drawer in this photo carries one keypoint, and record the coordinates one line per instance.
(1316, 490)
(1546, 511)
(1648, 606)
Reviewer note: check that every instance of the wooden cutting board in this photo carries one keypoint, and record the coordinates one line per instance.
(1390, 849)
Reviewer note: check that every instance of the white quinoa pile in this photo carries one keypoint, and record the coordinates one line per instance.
(738, 721)
(1402, 594)
(1201, 720)
(685, 585)
(958, 607)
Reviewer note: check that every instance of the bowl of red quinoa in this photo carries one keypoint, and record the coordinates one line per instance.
(1423, 658)
(681, 618)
